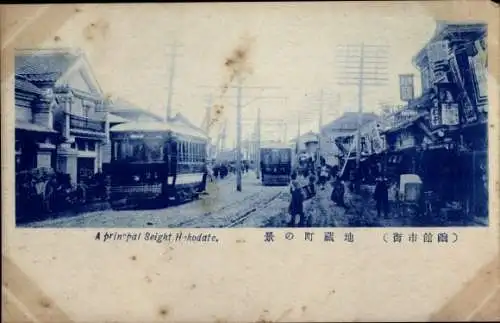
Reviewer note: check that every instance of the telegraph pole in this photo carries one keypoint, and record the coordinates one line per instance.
(258, 143)
(285, 135)
(207, 125)
(173, 55)
(298, 132)
(363, 65)
(238, 135)
(320, 125)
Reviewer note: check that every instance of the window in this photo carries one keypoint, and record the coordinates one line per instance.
(153, 150)
(182, 153)
(91, 146)
(80, 144)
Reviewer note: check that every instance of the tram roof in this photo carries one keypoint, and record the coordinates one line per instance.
(275, 146)
(154, 126)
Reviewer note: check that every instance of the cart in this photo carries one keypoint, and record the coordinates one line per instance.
(410, 195)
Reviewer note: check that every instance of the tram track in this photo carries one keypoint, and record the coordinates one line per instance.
(220, 210)
(240, 219)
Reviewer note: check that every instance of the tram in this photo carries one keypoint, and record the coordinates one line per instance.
(276, 164)
(156, 163)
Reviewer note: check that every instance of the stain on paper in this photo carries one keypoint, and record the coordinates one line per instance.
(99, 28)
(164, 311)
(237, 65)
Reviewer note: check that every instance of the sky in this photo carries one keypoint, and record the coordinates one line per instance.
(289, 48)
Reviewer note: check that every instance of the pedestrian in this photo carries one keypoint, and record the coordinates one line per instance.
(210, 173)
(296, 206)
(203, 186)
(216, 171)
(50, 194)
(323, 174)
(311, 187)
(338, 192)
(381, 196)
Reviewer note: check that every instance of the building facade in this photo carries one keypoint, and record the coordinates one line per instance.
(337, 137)
(59, 99)
(442, 135)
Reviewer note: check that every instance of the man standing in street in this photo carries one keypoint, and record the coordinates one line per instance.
(381, 196)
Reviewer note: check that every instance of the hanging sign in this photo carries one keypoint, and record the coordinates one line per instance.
(376, 139)
(406, 87)
(435, 117)
(449, 114)
(438, 54)
(469, 111)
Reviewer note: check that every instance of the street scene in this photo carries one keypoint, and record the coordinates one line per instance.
(245, 155)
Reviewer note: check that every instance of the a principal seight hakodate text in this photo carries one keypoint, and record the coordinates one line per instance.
(158, 237)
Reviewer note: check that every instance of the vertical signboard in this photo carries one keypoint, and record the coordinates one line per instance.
(449, 114)
(438, 54)
(406, 87)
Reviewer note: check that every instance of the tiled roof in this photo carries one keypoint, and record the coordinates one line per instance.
(113, 118)
(350, 118)
(44, 65)
(152, 126)
(123, 107)
(181, 119)
(23, 85)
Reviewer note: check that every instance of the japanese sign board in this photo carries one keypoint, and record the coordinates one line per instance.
(435, 117)
(449, 114)
(406, 87)
(438, 54)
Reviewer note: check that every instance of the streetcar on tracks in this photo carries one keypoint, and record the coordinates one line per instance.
(155, 164)
(276, 164)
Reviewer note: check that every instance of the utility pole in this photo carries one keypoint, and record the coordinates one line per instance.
(238, 135)
(298, 133)
(206, 125)
(320, 125)
(258, 143)
(173, 55)
(285, 134)
(363, 65)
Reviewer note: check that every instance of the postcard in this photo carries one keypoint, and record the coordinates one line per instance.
(250, 162)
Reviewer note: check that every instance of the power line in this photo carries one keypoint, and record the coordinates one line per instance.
(363, 65)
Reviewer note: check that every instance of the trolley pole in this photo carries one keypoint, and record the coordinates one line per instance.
(173, 55)
(238, 136)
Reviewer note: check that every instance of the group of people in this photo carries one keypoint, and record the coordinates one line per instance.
(318, 178)
(222, 170)
(44, 191)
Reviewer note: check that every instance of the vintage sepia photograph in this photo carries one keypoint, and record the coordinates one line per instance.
(404, 145)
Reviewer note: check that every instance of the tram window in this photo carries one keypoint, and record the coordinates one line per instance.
(153, 151)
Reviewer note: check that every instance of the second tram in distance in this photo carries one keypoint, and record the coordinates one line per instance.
(275, 164)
